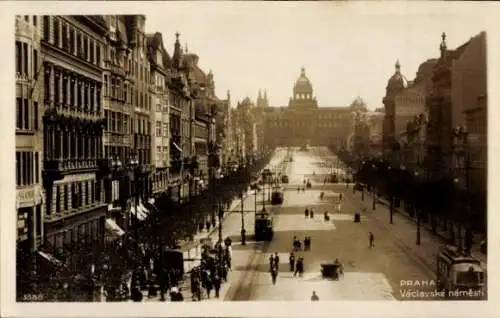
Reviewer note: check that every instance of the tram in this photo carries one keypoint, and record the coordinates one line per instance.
(264, 226)
(277, 195)
(460, 276)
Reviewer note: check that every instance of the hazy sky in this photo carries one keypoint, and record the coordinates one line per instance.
(347, 49)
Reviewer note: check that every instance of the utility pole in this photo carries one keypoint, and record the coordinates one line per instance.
(243, 231)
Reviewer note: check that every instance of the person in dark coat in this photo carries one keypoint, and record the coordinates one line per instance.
(136, 293)
(274, 274)
(311, 214)
(291, 260)
(306, 212)
(209, 285)
(217, 283)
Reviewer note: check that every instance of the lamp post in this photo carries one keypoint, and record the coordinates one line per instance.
(134, 165)
(374, 169)
(418, 209)
(243, 231)
(391, 195)
(460, 239)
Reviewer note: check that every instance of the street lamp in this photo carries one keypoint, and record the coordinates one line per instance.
(374, 169)
(134, 165)
(391, 195)
(460, 239)
(243, 231)
(418, 210)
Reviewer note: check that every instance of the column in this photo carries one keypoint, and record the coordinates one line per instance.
(61, 142)
(52, 94)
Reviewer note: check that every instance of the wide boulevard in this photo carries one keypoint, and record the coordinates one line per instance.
(391, 270)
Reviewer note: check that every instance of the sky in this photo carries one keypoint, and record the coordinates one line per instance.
(347, 50)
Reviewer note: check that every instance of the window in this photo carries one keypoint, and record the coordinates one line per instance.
(85, 48)
(35, 115)
(125, 124)
(66, 198)
(165, 129)
(35, 63)
(158, 149)
(37, 168)
(87, 193)
(19, 113)
(158, 128)
(46, 28)
(19, 53)
(79, 51)
(71, 45)
(38, 220)
(98, 54)
(65, 91)
(27, 18)
(56, 32)
(19, 165)
(92, 51)
(25, 59)
(65, 38)
(26, 118)
(35, 20)
(58, 199)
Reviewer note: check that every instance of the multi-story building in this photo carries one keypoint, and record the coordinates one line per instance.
(141, 100)
(181, 119)
(469, 103)
(410, 101)
(258, 113)
(303, 122)
(223, 132)
(29, 150)
(160, 112)
(444, 115)
(117, 101)
(375, 120)
(395, 85)
(72, 54)
(246, 122)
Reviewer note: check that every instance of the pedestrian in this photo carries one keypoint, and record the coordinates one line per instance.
(306, 213)
(372, 239)
(271, 261)
(291, 261)
(314, 296)
(276, 259)
(274, 274)
(299, 267)
(340, 196)
(217, 283)
(311, 213)
(207, 225)
(209, 285)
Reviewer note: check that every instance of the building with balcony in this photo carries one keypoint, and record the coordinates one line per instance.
(72, 50)
(141, 100)
(29, 145)
(158, 59)
(181, 123)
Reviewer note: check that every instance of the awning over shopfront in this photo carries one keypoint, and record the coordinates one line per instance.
(50, 258)
(113, 231)
(139, 211)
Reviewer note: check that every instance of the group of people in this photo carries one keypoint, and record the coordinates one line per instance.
(297, 245)
(213, 270)
(296, 265)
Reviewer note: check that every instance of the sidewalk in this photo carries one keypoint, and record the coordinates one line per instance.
(443, 235)
(404, 229)
(195, 252)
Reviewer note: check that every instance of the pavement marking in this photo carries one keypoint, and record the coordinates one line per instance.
(296, 222)
(353, 286)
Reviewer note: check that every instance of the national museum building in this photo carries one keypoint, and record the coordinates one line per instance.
(303, 122)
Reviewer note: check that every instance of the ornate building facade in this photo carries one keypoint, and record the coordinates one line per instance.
(29, 146)
(72, 49)
(303, 122)
(160, 111)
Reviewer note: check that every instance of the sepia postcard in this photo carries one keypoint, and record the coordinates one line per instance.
(244, 159)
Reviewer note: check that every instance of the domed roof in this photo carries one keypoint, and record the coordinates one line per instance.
(397, 80)
(358, 103)
(303, 85)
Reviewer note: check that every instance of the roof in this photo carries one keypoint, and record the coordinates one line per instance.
(302, 84)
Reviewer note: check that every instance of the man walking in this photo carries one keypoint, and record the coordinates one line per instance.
(291, 260)
(372, 240)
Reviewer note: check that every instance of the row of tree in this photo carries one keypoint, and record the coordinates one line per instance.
(433, 199)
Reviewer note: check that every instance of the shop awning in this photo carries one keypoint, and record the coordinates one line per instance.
(50, 258)
(113, 231)
(177, 146)
(139, 211)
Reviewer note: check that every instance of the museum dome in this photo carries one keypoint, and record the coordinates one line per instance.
(397, 80)
(303, 85)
